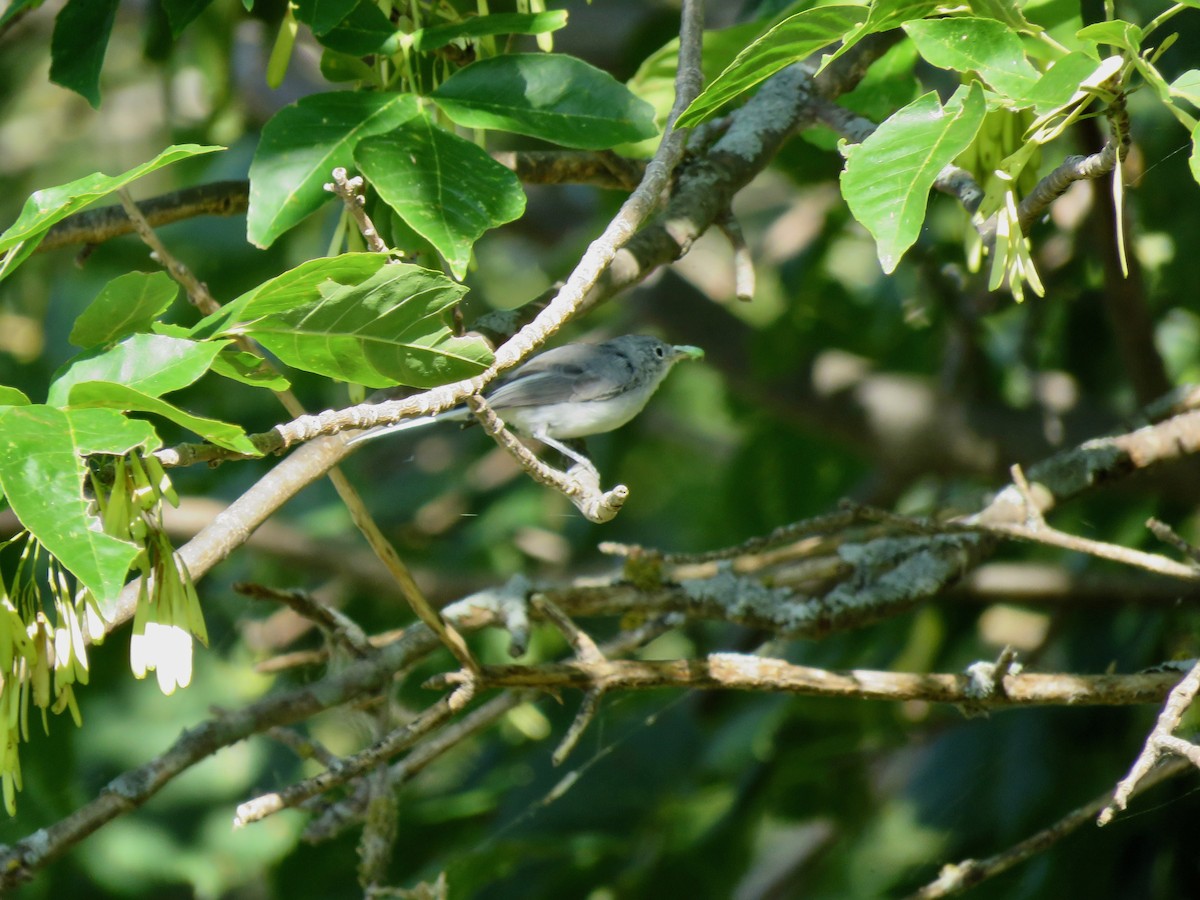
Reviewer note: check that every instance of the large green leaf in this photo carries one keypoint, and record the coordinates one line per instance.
(81, 32)
(51, 205)
(127, 304)
(436, 36)
(386, 329)
(888, 176)
(557, 98)
(294, 288)
(793, 39)
(106, 395)
(366, 30)
(446, 188)
(322, 15)
(300, 147)
(983, 46)
(154, 364)
(42, 472)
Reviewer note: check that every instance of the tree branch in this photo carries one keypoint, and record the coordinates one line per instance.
(743, 672)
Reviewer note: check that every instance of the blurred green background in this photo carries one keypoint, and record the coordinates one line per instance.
(678, 795)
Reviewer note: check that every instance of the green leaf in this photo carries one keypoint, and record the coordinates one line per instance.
(181, 13)
(10, 396)
(322, 15)
(382, 330)
(1059, 85)
(1005, 11)
(1187, 86)
(1194, 159)
(339, 67)
(247, 368)
(446, 188)
(127, 304)
(654, 81)
(106, 395)
(154, 364)
(793, 39)
(883, 15)
(17, 6)
(1116, 32)
(292, 289)
(301, 145)
(549, 96)
(888, 176)
(81, 32)
(983, 46)
(51, 205)
(42, 472)
(366, 30)
(425, 39)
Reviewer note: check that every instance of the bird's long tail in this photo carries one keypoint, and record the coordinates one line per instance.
(450, 415)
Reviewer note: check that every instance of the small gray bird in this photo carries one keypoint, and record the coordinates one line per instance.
(572, 391)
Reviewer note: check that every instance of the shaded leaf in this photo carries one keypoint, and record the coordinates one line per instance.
(322, 15)
(888, 176)
(793, 39)
(301, 145)
(81, 32)
(181, 13)
(447, 189)
(42, 472)
(366, 30)
(127, 304)
(51, 205)
(549, 96)
(436, 36)
(247, 368)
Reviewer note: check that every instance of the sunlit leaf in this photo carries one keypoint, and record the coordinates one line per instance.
(42, 472)
(446, 188)
(301, 145)
(888, 176)
(557, 98)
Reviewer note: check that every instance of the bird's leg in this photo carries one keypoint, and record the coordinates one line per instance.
(566, 451)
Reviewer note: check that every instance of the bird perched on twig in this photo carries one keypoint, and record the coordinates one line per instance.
(572, 391)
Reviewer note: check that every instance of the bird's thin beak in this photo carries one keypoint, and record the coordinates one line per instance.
(688, 352)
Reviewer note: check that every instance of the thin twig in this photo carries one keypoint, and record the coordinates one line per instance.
(351, 767)
(959, 877)
(197, 293)
(350, 192)
(1159, 742)
(335, 623)
(1167, 535)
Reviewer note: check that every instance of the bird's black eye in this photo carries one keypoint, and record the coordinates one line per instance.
(659, 352)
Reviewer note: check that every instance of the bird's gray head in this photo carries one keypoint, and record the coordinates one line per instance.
(649, 356)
